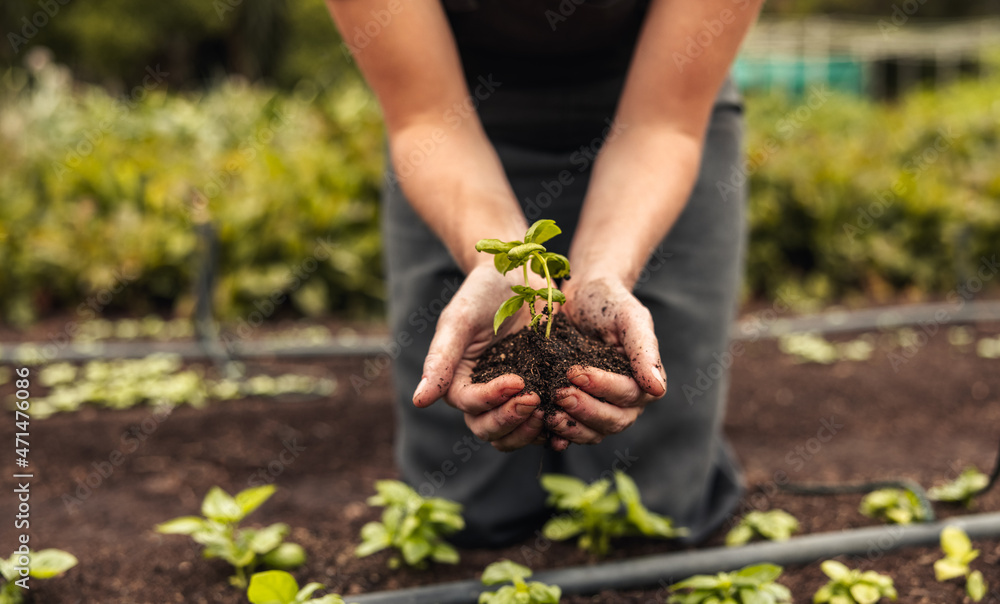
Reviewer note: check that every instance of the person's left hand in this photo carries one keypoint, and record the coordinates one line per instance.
(601, 403)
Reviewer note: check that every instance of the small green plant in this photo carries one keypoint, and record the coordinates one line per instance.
(521, 592)
(774, 525)
(848, 586)
(961, 490)
(43, 564)
(412, 524)
(244, 548)
(597, 515)
(749, 585)
(897, 506)
(530, 252)
(279, 587)
(958, 553)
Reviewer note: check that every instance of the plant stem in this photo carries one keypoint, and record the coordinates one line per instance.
(548, 281)
(531, 305)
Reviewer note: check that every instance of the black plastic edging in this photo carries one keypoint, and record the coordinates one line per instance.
(664, 569)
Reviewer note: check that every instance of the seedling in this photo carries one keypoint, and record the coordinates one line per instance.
(43, 564)
(961, 490)
(244, 548)
(774, 525)
(749, 585)
(521, 592)
(279, 587)
(530, 252)
(897, 506)
(597, 515)
(958, 553)
(847, 586)
(412, 524)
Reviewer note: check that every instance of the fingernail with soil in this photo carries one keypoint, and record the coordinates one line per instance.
(524, 410)
(659, 378)
(580, 381)
(509, 391)
(568, 402)
(420, 388)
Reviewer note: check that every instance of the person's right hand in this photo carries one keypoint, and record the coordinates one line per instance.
(493, 411)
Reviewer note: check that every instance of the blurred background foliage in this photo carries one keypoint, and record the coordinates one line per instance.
(262, 125)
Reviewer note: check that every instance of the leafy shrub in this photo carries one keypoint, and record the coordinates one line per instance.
(413, 525)
(774, 525)
(848, 586)
(279, 587)
(43, 564)
(521, 592)
(897, 506)
(244, 548)
(749, 585)
(597, 515)
(958, 553)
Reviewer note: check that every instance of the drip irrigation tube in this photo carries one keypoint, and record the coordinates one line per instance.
(664, 569)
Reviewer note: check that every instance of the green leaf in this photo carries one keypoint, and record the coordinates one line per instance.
(272, 587)
(507, 309)
(760, 573)
(560, 486)
(415, 549)
(698, 582)
(268, 538)
(495, 246)
(739, 535)
(445, 553)
(557, 296)
(48, 563)
(285, 557)
(975, 586)
(251, 499)
(520, 253)
(946, 568)
(503, 263)
(955, 542)
(865, 593)
(307, 591)
(540, 593)
(557, 264)
(835, 570)
(541, 231)
(375, 538)
(504, 571)
(561, 528)
(219, 506)
(185, 525)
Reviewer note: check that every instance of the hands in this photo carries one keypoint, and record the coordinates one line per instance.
(601, 403)
(465, 329)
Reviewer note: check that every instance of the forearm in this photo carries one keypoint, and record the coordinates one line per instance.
(455, 182)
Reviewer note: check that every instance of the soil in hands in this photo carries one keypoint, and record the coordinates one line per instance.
(542, 362)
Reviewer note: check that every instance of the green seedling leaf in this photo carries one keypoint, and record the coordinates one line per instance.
(504, 571)
(518, 254)
(251, 499)
(285, 557)
(955, 543)
(749, 585)
(495, 246)
(221, 507)
(898, 506)
(835, 570)
(774, 525)
(975, 586)
(185, 525)
(961, 490)
(542, 231)
(266, 539)
(557, 296)
(557, 264)
(848, 586)
(48, 563)
(506, 310)
(272, 587)
(503, 264)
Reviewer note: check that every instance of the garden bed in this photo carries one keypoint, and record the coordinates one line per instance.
(938, 413)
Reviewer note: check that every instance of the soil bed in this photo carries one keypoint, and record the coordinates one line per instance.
(925, 419)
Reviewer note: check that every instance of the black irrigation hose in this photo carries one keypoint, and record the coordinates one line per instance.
(665, 569)
(864, 487)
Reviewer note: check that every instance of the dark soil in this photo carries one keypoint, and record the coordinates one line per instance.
(542, 362)
(937, 413)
